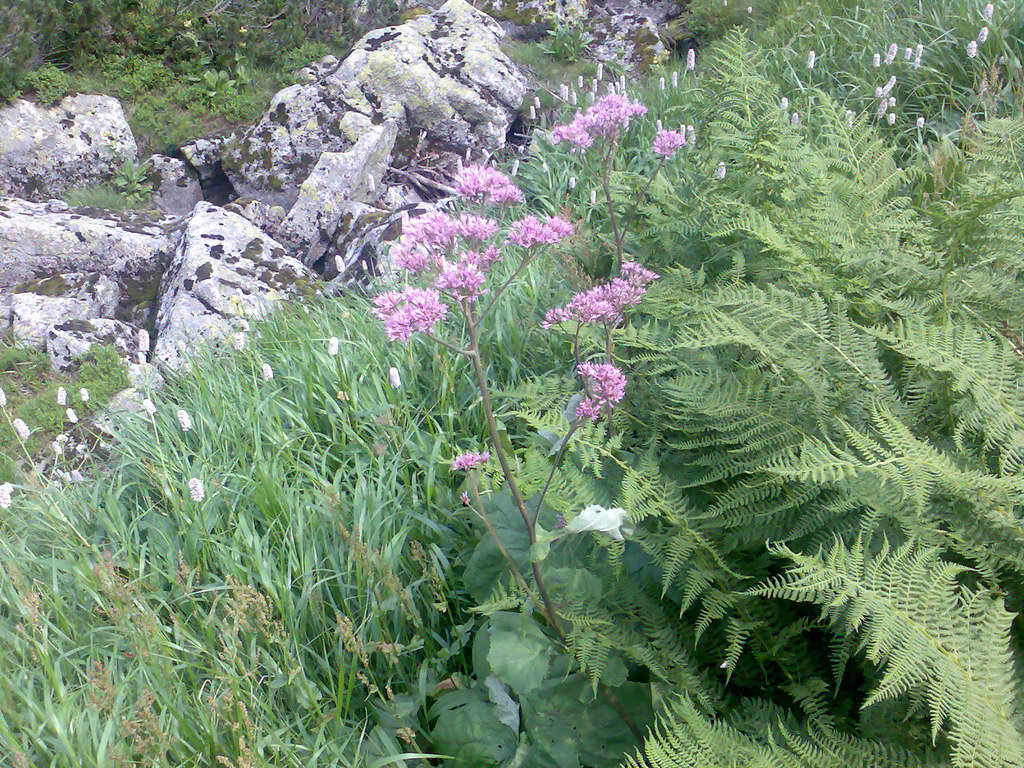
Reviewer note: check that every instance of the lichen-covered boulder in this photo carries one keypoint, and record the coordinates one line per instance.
(70, 341)
(325, 197)
(442, 75)
(622, 31)
(82, 140)
(38, 305)
(39, 240)
(627, 34)
(361, 245)
(176, 188)
(204, 157)
(267, 217)
(224, 273)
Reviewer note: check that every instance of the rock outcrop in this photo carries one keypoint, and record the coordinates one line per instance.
(69, 341)
(39, 240)
(224, 273)
(176, 188)
(83, 140)
(33, 307)
(442, 75)
(338, 183)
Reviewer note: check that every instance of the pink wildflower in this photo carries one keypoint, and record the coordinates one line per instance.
(606, 119)
(531, 231)
(407, 311)
(667, 142)
(476, 228)
(482, 260)
(411, 257)
(461, 280)
(605, 304)
(469, 460)
(606, 385)
(574, 133)
(489, 184)
(637, 274)
(433, 230)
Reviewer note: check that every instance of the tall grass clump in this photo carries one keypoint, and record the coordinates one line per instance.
(293, 604)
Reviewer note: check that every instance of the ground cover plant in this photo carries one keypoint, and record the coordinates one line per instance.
(695, 441)
(181, 69)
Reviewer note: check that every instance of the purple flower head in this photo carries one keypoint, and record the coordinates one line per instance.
(469, 460)
(462, 280)
(482, 260)
(606, 385)
(411, 257)
(476, 228)
(531, 231)
(574, 133)
(605, 304)
(667, 142)
(405, 312)
(638, 275)
(433, 230)
(610, 115)
(488, 184)
(607, 118)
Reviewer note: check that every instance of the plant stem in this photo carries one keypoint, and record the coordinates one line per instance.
(506, 470)
(478, 507)
(605, 185)
(554, 467)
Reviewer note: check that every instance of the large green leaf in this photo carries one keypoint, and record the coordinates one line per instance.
(576, 730)
(468, 729)
(487, 567)
(519, 653)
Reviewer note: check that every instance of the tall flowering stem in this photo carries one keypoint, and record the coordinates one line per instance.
(456, 253)
(506, 469)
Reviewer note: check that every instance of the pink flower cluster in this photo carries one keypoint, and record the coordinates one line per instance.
(605, 304)
(667, 142)
(606, 385)
(426, 238)
(487, 184)
(462, 280)
(605, 119)
(531, 231)
(409, 310)
(469, 460)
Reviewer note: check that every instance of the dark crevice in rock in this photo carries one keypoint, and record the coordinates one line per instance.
(217, 188)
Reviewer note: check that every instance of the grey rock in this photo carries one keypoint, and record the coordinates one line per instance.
(46, 152)
(204, 157)
(362, 245)
(127, 402)
(224, 273)
(325, 197)
(40, 304)
(267, 217)
(442, 75)
(69, 341)
(176, 185)
(145, 377)
(38, 240)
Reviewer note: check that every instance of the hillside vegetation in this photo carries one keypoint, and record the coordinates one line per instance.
(696, 439)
